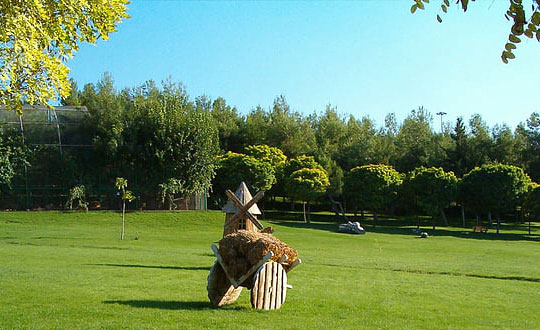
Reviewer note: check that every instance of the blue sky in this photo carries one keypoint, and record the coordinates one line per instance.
(366, 58)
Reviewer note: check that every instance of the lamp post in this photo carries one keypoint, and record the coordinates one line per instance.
(441, 114)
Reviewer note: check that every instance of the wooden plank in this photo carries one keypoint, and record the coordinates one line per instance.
(260, 296)
(220, 260)
(284, 287)
(273, 283)
(267, 283)
(279, 279)
(295, 263)
(243, 209)
(279, 282)
(254, 268)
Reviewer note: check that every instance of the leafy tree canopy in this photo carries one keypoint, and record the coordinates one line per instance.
(432, 188)
(372, 187)
(307, 183)
(271, 155)
(38, 36)
(233, 168)
(494, 188)
(532, 200)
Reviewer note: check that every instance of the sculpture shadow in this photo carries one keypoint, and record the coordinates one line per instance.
(154, 266)
(163, 304)
(171, 305)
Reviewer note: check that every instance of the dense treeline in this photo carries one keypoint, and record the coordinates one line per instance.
(168, 145)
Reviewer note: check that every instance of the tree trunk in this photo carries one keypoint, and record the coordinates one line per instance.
(445, 221)
(362, 214)
(498, 223)
(355, 212)
(292, 204)
(490, 220)
(123, 219)
(433, 221)
(308, 212)
(463, 214)
(375, 218)
(304, 204)
(477, 221)
(417, 222)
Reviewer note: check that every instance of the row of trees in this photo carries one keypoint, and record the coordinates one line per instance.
(490, 189)
(167, 145)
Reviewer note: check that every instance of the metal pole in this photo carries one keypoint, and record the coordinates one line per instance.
(441, 114)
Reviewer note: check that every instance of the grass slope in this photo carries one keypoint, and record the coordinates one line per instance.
(71, 271)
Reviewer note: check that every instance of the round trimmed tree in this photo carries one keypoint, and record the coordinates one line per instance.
(494, 188)
(372, 187)
(307, 184)
(432, 189)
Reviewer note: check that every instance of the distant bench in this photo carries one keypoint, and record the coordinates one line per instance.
(480, 229)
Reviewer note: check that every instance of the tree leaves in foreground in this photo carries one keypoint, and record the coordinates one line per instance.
(38, 36)
(524, 22)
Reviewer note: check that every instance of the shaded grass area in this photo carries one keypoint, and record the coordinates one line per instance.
(71, 271)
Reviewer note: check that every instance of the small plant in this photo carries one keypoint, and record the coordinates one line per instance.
(167, 191)
(77, 193)
(127, 195)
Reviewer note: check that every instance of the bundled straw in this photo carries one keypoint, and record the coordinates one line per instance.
(243, 249)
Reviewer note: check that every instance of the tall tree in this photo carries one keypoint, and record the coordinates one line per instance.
(459, 157)
(480, 142)
(36, 39)
(414, 144)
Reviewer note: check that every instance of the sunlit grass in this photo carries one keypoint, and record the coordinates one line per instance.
(70, 270)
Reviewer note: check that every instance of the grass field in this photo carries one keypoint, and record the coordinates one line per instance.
(71, 271)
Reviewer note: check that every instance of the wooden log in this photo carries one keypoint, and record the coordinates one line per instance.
(220, 290)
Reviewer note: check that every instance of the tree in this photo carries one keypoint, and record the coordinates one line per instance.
(523, 23)
(532, 203)
(13, 157)
(414, 141)
(372, 187)
(126, 195)
(233, 168)
(480, 142)
(459, 156)
(271, 155)
(531, 150)
(494, 188)
(432, 189)
(307, 184)
(166, 137)
(229, 123)
(36, 39)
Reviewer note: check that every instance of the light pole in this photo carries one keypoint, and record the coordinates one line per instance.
(441, 114)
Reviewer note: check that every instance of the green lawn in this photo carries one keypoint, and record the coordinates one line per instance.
(71, 271)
